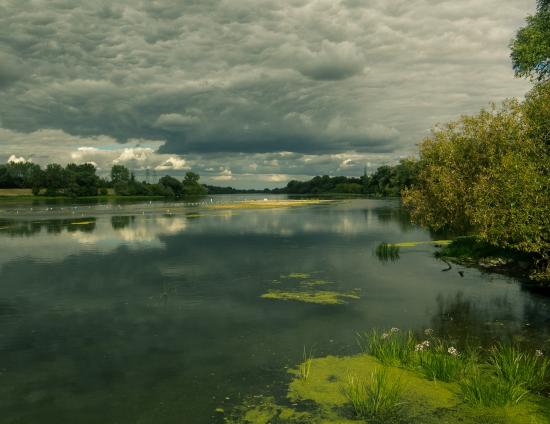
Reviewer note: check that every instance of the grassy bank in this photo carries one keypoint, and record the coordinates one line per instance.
(401, 378)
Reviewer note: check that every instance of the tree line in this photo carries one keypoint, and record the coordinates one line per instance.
(82, 180)
(386, 181)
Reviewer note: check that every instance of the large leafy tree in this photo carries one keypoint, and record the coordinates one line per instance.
(191, 185)
(488, 175)
(531, 46)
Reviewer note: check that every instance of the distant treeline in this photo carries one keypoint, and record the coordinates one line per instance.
(386, 181)
(82, 180)
(230, 190)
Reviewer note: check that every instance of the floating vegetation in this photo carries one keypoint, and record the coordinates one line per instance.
(423, 243)
(387, 252)
(319, 297)
(193, 215)
(371, 391)
(297, 275)
(315, 283)
(301, 287)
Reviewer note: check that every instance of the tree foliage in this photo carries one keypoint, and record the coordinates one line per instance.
(489, 174)
(531, 46)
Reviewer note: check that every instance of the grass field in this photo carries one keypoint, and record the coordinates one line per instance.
(15, 192)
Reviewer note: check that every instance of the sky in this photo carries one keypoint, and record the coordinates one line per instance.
(247, 93)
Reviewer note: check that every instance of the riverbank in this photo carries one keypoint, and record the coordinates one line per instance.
(472, 252)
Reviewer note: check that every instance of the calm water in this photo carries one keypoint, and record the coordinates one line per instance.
(151, 317)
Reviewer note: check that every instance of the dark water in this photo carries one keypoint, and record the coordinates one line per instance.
(155, 318)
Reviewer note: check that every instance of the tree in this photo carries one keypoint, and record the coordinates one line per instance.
(81, 180)
(173, 184)
(191, 185)
(120, 174)
(488, 175)
(531, 46)
(54, 179)
(120, 178)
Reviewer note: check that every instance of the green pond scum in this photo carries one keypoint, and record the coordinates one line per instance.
(321, 399)
(302, 287)
(312, 296)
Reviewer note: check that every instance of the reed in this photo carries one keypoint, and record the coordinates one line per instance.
(442, 362)
(387, 252)
(304, 369)
(482, 390)
(392, 347)
(377, 397)
(530, 370)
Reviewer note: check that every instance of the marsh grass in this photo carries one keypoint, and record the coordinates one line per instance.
(484, 390)
(387, 252)
(520, 368)
(377, 397)
(439, 363)
(304, 369)
(503, 377)
(390, 348)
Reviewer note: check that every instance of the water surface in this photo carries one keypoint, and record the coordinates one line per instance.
(136, 314)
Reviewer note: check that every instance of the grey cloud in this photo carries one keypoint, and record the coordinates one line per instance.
(314, 77)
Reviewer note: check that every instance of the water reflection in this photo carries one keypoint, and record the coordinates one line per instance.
(153, 309)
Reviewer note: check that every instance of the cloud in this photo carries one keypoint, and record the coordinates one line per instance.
(334, 61)
(212, 81)
(175, 120)
(15, 159)
(172, 163)
(225, 175)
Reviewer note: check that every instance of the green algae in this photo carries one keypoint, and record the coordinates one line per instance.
(422, 243)
(320, 399)
(318, 297)
(301, 287)
(315, 283)
(297, 275)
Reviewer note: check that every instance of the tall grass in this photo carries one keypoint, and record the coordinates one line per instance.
(377, 397)
(304, 369)
(442, 362)
(504, 377)
(520, 368)
(480, 389)
(387, 252)
(390, 348)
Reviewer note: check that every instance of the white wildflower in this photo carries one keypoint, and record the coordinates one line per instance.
(452, 350)
(538, 353)
(394, 330)
(385, 336)
(428, 331)
(420, 347)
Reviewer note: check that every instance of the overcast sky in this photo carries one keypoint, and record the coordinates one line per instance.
(249, 93)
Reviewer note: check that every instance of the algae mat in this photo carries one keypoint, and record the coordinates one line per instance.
(303, 287)
(320, 399)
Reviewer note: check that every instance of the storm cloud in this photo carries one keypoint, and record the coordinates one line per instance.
(246, 90)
